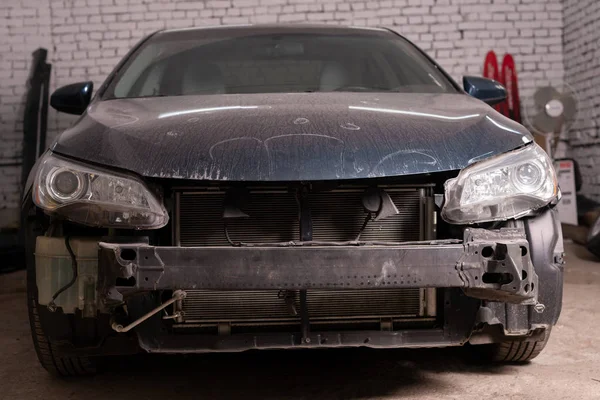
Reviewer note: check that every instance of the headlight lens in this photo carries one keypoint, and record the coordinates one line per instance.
(96, 197)
(529, 177)
(507, 186)
(64, 184)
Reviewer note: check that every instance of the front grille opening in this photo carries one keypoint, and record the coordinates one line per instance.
(274, 216)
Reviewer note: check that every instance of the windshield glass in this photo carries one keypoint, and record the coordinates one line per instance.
(190, 63)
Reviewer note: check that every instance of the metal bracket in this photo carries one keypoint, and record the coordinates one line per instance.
(507, 274)
(177, 295)
(176, 315)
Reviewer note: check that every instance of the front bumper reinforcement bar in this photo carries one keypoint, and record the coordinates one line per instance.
(490, 265)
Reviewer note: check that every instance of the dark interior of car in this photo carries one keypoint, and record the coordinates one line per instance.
(294, 63)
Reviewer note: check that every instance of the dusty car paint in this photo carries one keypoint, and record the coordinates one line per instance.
(290, 137)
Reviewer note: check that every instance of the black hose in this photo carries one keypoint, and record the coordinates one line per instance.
(231, 242)
(73, 266)
(363, 227)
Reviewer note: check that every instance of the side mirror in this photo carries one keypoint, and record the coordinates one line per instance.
(72, 99)
(486, 90)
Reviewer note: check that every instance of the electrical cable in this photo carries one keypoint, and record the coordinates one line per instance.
(231, 242)
(363, 227)
(74, 268)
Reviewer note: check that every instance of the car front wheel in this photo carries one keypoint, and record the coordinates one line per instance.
(49, 355)
(511, 351)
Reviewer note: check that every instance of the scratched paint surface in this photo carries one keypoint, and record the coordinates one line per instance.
(290, 137)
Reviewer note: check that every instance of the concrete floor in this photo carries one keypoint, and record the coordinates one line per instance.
(569, 368)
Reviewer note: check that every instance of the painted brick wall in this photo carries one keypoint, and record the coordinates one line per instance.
(582, 72)
(86, 38)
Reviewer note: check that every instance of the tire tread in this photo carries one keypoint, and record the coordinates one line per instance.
(48, 355)
(516, 352)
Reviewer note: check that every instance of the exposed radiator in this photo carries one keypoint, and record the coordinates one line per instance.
(266, 307)
(336, 215)
(339, 215)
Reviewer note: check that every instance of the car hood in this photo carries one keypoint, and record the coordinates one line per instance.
(290, 137)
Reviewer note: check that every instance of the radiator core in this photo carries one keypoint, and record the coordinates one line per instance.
(336, 215)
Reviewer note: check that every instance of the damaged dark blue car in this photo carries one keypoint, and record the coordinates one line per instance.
(260, 187)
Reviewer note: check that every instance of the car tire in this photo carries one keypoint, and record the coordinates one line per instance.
(48, 354)
(511, 351)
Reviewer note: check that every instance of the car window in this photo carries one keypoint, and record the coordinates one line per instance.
(171, 65)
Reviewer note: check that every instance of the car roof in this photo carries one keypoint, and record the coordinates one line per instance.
(279, 28)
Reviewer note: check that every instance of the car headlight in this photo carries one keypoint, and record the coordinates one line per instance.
(96, 197)
(507, 186)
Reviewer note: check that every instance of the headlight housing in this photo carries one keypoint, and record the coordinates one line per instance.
(508, 186)
(96, 197)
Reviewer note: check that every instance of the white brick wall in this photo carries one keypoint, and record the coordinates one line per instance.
(86, 38)
(23, 28)
(582, 72)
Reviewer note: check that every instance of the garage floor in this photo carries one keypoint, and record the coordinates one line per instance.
(569, 368)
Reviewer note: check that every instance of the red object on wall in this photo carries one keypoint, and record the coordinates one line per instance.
(509, 80)
(490, 66)
(490, 70)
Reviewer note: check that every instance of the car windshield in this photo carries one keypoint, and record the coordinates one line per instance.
(193, 63)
